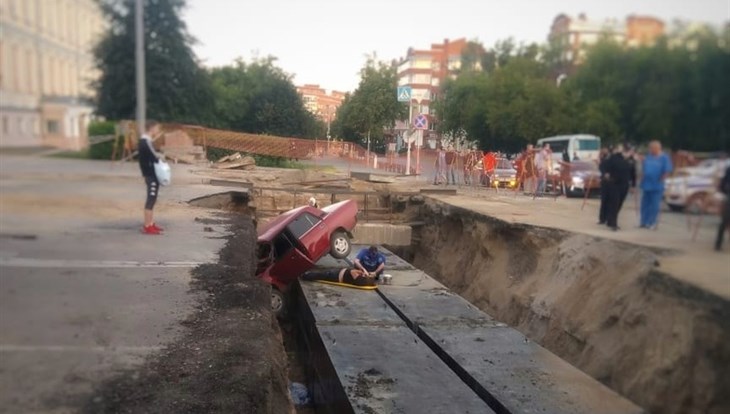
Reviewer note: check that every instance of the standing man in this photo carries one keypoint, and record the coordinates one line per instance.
(440, 166)
(724, 188)
(603, 157)
(529, 170)
(147, 159)
(619, 177)
(371, 261)
(451, 157)
(489, 163)
(542, 161)
(655, 168)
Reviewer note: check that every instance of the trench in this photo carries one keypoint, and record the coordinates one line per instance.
(603, 306)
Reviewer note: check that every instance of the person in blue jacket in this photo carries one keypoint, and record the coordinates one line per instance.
(655, 169)
(371, 261)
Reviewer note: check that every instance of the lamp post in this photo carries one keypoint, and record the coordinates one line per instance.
(408, 128)
(139, 69)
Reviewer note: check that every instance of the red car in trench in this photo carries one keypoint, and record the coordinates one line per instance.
(294, 241)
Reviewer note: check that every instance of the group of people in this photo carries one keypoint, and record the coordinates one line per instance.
(534, 165)
(618, 167)
(476, 166)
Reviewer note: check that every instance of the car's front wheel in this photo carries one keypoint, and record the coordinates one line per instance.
(340, 245)
(278, 303)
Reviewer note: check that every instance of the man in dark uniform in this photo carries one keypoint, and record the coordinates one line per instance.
(619, 176)
(724, 188)
(602, 160)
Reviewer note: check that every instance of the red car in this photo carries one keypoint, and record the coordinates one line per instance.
(294, 241)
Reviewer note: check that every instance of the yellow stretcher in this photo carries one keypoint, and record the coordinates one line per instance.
(327, 282)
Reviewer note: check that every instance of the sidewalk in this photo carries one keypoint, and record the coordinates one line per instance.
(692, 261)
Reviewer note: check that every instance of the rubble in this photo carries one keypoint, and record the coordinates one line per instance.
(236, 161)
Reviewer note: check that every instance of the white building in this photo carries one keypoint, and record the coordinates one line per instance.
(46, 67)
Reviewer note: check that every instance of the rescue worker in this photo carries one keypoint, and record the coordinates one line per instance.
(655, 169)
(371, 261)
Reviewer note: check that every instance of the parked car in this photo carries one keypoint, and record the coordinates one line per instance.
(505, 175)
(294, 241)
(688, 188)
(577, 177)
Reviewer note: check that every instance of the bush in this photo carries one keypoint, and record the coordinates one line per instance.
(104, 150)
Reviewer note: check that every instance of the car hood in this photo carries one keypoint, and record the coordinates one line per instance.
(505, 171)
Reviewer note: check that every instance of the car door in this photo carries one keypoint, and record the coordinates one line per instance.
(289, 261)
(312, 234)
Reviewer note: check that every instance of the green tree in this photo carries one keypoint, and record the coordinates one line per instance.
(177, 88)
(373, 107)
(260, 97)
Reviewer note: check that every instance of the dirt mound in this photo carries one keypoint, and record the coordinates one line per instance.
(602, 305)
(231, 358)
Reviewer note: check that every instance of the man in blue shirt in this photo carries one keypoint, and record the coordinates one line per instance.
(655, 169)
(371, 261)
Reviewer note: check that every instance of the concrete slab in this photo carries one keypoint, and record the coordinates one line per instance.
(523, 376)
(368, 361)
(383, 233)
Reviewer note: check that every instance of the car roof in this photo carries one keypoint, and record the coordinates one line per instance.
(275, 226)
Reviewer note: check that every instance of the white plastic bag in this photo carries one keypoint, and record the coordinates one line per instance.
(162, 171)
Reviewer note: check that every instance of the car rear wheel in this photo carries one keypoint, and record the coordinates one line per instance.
(278, 303)
(340, 245)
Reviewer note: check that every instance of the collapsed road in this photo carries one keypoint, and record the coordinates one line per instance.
(415, 346)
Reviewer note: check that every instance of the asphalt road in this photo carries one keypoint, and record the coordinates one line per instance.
(83, 294)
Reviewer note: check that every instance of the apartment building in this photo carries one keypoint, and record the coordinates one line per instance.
(425, 70)
(573, 34)
(322, 104)
(46, 67)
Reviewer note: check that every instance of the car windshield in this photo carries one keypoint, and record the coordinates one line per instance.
(503, 164)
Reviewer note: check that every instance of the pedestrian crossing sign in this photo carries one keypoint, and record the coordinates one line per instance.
(404, 94)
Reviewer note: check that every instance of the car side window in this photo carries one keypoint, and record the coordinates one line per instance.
(302, 224)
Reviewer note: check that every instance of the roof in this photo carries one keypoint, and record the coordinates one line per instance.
(272, 228)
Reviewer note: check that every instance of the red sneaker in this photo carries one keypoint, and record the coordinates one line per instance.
(155, 226)
(150, 230)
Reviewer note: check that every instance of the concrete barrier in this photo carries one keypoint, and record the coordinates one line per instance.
(382, 233)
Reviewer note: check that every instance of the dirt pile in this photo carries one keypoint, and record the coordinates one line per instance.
(231, 357)
(602, 305)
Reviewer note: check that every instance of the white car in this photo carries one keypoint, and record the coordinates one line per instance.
(690, 186)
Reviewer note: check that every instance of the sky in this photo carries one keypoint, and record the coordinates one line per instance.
(325, 41)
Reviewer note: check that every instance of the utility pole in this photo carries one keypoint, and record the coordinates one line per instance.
(408, 151)
(140, 75)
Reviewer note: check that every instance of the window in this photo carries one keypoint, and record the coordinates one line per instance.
(52, 127)
(282, 245)
(589, 145)
(302, 224)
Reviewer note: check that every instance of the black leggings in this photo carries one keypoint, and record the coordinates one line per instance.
(153, 187)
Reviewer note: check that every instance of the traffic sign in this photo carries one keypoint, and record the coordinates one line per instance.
(421, 122)
(404, 94)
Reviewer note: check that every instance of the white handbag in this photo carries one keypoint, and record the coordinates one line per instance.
(163, 173)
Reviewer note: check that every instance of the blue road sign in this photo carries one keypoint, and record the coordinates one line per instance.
(421, 122)
(404, 94)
